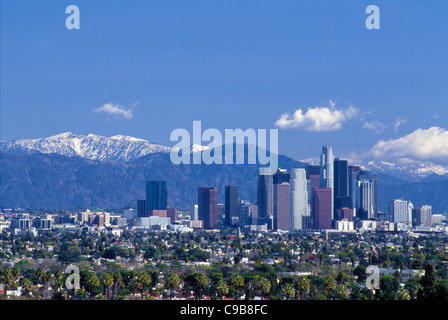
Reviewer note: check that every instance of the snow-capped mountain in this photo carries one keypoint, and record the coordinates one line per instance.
(88, 146)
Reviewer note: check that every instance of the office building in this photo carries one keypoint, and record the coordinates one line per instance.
(281, 206)
(299, 208)
(341, 185)
(141, 208)
(245, 213)
(345, 213)
(265, 199)
(282, 175)
(327, 171)
(156, 195)
(422, 216)
(322, 203)
(365, 207)
(231, 204)
(194, 215)
(208, 206)
(399, 211)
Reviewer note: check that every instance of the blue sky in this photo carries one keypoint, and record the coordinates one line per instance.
(232, 64)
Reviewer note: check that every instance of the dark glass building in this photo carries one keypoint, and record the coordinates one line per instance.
(141, 208)
(208, 206)
(341, 186)
(156, 196)
(231, 204)
(265, 198)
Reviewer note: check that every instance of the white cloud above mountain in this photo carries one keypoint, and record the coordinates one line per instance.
(115, 110)
(317, 119)
(420, 145)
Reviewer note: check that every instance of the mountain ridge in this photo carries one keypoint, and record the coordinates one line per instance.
(34, 179)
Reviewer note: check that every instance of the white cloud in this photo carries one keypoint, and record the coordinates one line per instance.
(375, 126)
(398, 123)
(317, 119)
(116, 110)
(421, 145)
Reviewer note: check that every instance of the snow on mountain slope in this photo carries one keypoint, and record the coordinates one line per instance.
(89, 146)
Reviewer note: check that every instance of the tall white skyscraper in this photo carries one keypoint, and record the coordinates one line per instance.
(399, 211)
(365, 200)
(299, 206)
(327, 171)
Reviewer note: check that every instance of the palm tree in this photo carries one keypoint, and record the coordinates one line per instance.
(46, 277)
(117, 283)
(8, 278)
(288, 291)
(91, 283)
(329, 285)
(264, 285)
(56, 281)
(222, 288)
(143, 281)
(237, 281)
(403, 294)
(201, 283)
(27, 285)
(341, 291)
(172, 283)
(303, 285)
(108, 281)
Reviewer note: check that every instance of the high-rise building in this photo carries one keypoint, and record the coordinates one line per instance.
(265, 198)
(281, 206)
(245, 212)
(341, 185)
(282, 175)
(353, 173)
(172, 214)
(322, 217)
(365, 207)
(327, 171)
(313, 177)
(231, 204)
(141, 208)
(345, 213)
(156, 195)
(208, 206)
(299, 206)
(422, 216)
(399, 211)
(194, 215)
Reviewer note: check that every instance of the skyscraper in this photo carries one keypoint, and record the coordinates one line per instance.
(265, 199)
(327, 171)
(245, 212)
(156, 195)
(208, 206)
(422, 216)
(313, 177)
(299, 208)
(281, 206)
(365, 208)
(323, 214)
(353, 173)
(282, 175)
(399, 211)
(141, 208)
(231, 204)
(340, 184)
